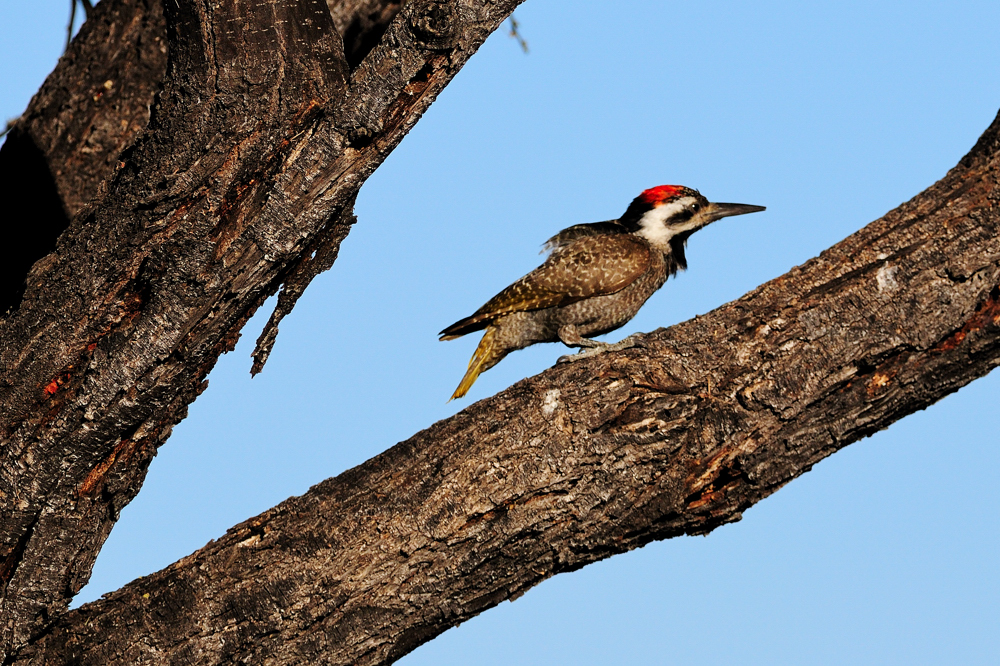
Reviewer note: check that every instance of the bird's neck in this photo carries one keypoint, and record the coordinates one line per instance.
(672, 253)
(676, 253)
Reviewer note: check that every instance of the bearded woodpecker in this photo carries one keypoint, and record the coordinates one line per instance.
(596, 278)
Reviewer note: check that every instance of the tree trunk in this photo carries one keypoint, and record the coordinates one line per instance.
(185, 160)
(586, 460)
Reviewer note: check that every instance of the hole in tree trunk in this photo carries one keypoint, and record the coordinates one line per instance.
(33, 215)
(366, 29)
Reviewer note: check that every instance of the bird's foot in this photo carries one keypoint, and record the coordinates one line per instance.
(594, 347)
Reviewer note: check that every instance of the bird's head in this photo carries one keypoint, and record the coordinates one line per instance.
(668, 214)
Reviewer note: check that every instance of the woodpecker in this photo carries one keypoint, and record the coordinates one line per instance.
(594, 280)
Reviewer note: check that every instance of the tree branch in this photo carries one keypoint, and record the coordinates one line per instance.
(90, 108)
(258, 139)
(589, 459)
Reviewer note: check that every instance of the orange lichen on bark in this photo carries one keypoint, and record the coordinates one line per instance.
(709, 471)
(53, 386)
(880, 379)
(95, 479)
(703, 487)
(988, 313)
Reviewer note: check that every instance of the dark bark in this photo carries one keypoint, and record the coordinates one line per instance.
(588, 459)
(220, 162)
(85, 114)
(362, 23)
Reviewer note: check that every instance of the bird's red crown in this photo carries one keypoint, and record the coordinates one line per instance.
(660, 193)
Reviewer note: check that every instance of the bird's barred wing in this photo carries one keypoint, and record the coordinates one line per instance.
(589, 266)
(578, 231)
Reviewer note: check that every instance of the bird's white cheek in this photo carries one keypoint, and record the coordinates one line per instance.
(653, 227)
(657, 234)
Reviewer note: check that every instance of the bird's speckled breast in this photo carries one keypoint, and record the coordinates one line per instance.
(601, 314)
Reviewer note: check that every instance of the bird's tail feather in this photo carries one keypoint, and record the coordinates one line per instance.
(487, 355)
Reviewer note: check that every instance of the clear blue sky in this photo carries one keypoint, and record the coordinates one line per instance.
(830, 114)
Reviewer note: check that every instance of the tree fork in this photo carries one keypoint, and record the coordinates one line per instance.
(192, 213)
(586, 460)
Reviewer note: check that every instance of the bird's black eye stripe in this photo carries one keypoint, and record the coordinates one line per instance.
(682, 216)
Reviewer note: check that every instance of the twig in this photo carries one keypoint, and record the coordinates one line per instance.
(514, 25)
(87, 6)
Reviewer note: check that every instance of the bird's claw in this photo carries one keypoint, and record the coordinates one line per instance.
(569, 358)
(635, 340)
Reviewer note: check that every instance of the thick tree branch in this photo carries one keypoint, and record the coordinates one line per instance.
(259, 136)
(69, 138)
(586, 460)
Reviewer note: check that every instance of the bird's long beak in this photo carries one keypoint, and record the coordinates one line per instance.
(717, 211)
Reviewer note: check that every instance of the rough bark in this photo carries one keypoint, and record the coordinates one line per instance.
(587, 459)
(67, 141)
(221, 162)
(362, 22)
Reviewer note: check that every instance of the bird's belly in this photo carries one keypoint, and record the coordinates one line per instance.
(601, 314)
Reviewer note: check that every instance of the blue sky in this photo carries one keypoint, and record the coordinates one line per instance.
(830, 114)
